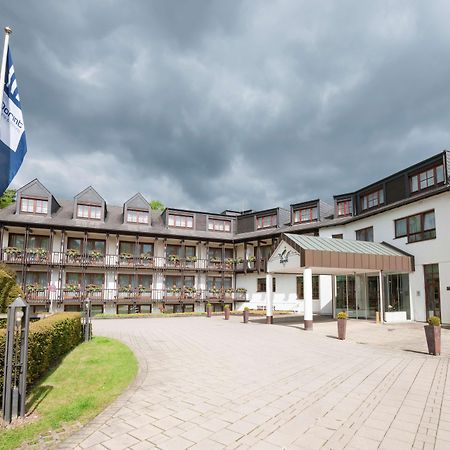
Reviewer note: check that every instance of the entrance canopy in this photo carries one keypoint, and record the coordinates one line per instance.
(296, 252)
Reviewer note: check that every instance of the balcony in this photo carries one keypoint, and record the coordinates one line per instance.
(215, 295)
(36, 294)
(250, 265)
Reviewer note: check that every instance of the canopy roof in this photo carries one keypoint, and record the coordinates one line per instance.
(329, 255)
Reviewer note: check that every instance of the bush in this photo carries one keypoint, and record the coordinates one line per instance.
(49, 340)
(9, 290)
(434, 321)
(342, 315)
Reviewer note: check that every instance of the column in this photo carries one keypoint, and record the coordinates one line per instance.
(307, 295)
(381, 296)
(269, 298)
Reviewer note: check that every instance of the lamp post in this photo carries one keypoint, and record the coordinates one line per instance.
(16, 360)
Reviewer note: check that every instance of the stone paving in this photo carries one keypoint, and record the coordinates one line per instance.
(213, 384)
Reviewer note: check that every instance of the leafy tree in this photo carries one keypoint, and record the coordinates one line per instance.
(9, 290)
(156, 205)
(7, 198)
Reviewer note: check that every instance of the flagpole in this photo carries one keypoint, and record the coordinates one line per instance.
(8, 31)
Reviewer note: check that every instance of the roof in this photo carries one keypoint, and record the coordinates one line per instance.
(342, 246)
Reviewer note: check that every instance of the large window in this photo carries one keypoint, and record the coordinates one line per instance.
(344, 207)
(215, 253)
(365, 234)
(17, 240)
(261, 285)
(93, 245)
(427, 178)
(38, 242)
(266, 221)
(219, 225)
(219, 282)
(33, 205)
(177, 250)
(315, 287)
(419, 227)
(373, 199)
(89, 212)
(181, 221)
(305, 215)
(137, 216)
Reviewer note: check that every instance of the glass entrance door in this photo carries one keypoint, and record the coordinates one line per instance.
(346, 295)
(373, 294)
(432, 290)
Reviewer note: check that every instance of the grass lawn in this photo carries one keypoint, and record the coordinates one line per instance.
(85, 382)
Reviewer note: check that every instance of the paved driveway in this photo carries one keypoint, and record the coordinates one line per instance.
(212, 384)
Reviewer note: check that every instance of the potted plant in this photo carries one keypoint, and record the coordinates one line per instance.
(215, 261)
(229, 263)
(34, 288)
(251, 261)
(174, 290)
(125, 257)
(73, 254)
(208, 310)
(13, 252)
(174, 259)
(342, 324)
(229, 292)
(241, 292)
(72, 288)
(190, 291)
(215, 292)
(246, 314)
(146, 256)
(433, 335)
(226, 312)
(95, 255)
(91, 288)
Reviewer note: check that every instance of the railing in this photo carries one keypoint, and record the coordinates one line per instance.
(71, 258)
(37, 295)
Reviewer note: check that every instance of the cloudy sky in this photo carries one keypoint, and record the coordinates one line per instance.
(228, 104)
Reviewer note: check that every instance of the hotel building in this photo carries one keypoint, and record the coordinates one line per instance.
(384, 247)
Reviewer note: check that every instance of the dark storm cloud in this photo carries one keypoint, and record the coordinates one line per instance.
(236, 104)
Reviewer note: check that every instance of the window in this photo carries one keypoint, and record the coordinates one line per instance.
(137, 216)
(344, 208)
(33, 205)
(266, 221)
(373, 199)
(126, 248)
(89, 212)
(96, 245)
(337, 236)
(177, 250)
(17, 240)
(261, 285)
(219, 225)
(315, 287)
(419, 227)
(366, 234)
(426, 178)
(38, 242)
(219, 283)
(305, 215)
(145, 248)
(181, 221)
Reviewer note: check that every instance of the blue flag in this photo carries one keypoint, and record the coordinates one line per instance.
(13, 144)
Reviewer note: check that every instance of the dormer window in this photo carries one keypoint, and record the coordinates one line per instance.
(266, 221)
(89, 212)
(181, 221)
(305, 215)
(33, 205)
(137, 217)
(427, 178)
(219, 225)
(372, 199)
(344, 208)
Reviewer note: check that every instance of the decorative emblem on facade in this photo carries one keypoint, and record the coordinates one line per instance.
(284, 256)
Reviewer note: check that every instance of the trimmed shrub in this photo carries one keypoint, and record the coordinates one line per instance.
(49, 340)
(9, 290)
(434, 321)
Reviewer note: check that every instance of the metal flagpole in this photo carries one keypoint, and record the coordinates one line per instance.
(8, 31)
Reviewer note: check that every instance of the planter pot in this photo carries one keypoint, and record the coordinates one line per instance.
(433, 335)
(208, 311)
(226, 313)
(342, 326)
(246, 315)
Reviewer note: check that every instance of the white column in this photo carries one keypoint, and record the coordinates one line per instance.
(269, 298)
(307, 296)
(381, 296)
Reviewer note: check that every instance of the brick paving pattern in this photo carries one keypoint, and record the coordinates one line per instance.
(214, 384)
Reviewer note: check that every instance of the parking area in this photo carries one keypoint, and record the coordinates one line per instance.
(213, 384)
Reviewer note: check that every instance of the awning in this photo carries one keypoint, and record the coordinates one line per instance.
(336, 255)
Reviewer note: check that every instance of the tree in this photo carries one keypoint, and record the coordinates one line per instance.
(7, 198)
(156, 205)
(9, 290)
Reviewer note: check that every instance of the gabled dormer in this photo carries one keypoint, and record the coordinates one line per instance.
(89, 205)
(35, 198)
(310, 211)
(136, 210)
(344, 205)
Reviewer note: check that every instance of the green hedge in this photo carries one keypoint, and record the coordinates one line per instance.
(49, 340)
(9, 290)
